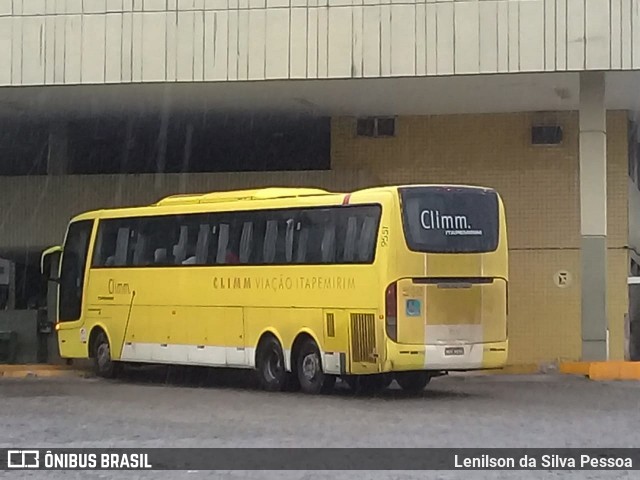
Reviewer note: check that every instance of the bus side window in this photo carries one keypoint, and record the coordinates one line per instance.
(104, 250)
(212, 251)
(160, 256)
(223, 242)
(317, 238)
(190, 255)
(156, 241)
(138, 243)
(349, 249)
(139, 251)
(288, 241)
(180, 249)
(113, 243)
(97, 260)
(164, 235)
(282, 256)
(245, 242)
(202, 245)
(367, 240)
(122, 246)
(184, 251)
(270, 239)
(301, 247)
(328, 246)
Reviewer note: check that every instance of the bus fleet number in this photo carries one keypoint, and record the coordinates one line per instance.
(384, 237)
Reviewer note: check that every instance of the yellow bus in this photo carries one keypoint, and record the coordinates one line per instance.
(300, 284)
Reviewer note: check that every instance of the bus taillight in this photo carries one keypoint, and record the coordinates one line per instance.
(391, 311)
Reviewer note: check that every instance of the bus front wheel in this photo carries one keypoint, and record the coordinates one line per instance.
(311, 377)
(413, 382)
(103, 363)
(270, 365)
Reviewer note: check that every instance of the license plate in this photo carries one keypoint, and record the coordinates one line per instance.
(449, 351)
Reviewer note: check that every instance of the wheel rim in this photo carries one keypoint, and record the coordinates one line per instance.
(103, 355)
(310, 366)
(273, 364)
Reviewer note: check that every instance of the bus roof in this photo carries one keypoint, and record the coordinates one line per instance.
(235, 195)
(257, 194)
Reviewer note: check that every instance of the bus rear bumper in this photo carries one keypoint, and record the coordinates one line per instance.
(451, 357)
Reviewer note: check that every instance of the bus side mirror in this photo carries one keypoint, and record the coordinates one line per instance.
(50, 263)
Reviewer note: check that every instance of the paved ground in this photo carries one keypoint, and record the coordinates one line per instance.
(153, 410)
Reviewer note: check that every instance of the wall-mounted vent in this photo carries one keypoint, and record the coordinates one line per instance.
(546, 135)
(376, 127)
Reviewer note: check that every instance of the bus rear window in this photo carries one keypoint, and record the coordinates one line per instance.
(450, 219)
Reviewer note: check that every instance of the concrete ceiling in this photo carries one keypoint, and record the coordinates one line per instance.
(399, 96)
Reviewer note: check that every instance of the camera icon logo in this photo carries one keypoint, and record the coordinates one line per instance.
(23, 459)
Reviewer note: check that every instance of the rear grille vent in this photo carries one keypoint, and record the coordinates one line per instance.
(331, 325)
(363, 337)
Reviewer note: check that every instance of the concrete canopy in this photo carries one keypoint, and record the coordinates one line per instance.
(384, 96)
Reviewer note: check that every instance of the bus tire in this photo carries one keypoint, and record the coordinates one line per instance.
(270, 365)
(104, 365)
(311, 377)
(413, 382)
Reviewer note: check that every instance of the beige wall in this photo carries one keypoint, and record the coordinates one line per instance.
(540, 189)
(35, 211)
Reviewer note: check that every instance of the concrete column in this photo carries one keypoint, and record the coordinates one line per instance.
(58, 155)
(593, 215)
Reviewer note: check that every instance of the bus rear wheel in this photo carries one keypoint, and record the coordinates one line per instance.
(413, 382)
(311, 377)
(104, 365)
(270, 365)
